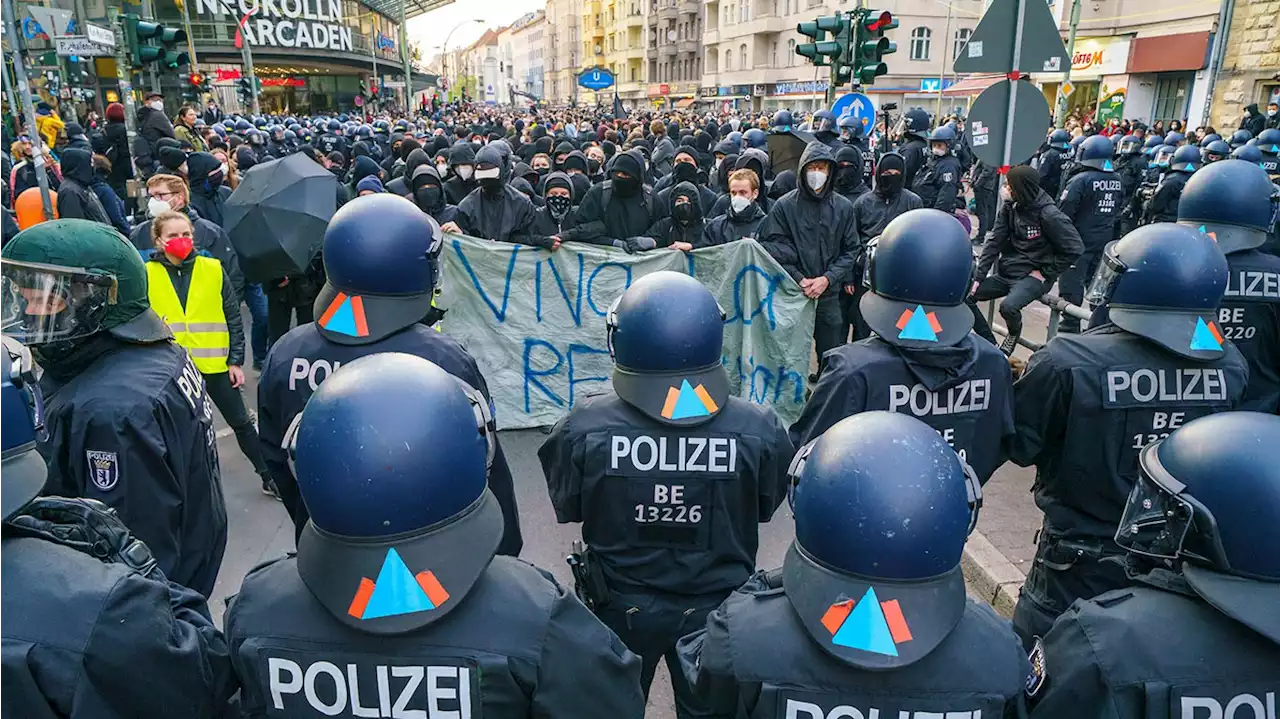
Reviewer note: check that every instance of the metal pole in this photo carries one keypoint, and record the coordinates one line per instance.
(28, 108)
(404, 56)
(124, 79)
(942, 77)
(186, 25)
(1060, 107)
(1225, 14)
(246, 55)
(1013, 86)
(13, 101)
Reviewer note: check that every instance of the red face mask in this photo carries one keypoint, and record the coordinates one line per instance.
(179, 247)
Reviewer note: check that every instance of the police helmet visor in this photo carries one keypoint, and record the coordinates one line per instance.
(1128, 145)
(1163, 155)
(868, 256)
(1104, 280)
(42, 303)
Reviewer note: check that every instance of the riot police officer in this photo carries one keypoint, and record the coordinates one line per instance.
(823, 127)
(1091, 199)
(1153, 359)
(1231, 202)
(1268, 142)
(1202, 529)
(922, 359)
(914, 149)
(669, 474)
(1163, 205)
(1049, 163)
(1214, 151)
(1240, 138)
(382, 266)
(853, 133)
(867, 615)
(938, 184)
(396, 569)
(129, 421)
(1130, 166)
(79, 587)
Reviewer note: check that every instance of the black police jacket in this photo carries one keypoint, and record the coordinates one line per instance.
(518, 645)
(915, 152)
(755, 659)
(1250, 317)
(938, 183)
(1130, 168)
(668, 509)
(1049, 165)
(1156, 650)
(1163, 205)
(964, 392)
(301, 360)
(1087, 404)
(873, 211)
(135, 431)
(1035, 237)
(1092, 200)
(84, 638)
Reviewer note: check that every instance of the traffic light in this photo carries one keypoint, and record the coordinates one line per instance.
(871, 45)
(819, 50)
(138, 35)
(244, 88)
(196, 86)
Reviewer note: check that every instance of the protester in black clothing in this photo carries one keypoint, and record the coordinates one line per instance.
(208, 194)
(117, 151)
(428, 194)
(744, 216)
(558, 213)
(619, 209)
(849, 181)
(413, 159)
(153, 125)
(76, 199)
(496, 210)
(986, 196)
(462, 167)
(682, 228)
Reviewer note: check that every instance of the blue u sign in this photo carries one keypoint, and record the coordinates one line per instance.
(595, 78)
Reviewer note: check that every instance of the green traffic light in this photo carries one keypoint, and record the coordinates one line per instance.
(868, 73)
(150, 53)
(833, 24)
(809, 29)
(170, 35)
(176, 60)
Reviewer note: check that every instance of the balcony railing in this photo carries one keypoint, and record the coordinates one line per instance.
(668, 12)
(688, 46)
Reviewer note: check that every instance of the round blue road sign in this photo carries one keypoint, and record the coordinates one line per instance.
(858, 105)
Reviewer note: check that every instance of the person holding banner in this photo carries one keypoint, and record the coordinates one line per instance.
(668, 474)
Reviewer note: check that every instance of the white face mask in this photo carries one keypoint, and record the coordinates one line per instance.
(489, 174)
(157, 105)
(815, 179)
(716, 166)
(939, 151)
(464, 171)
(1005, 193)
(155, 207)
(223, 169)
(739, 203)
(442, 168)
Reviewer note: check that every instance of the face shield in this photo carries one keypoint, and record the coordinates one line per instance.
(1158, 518)
(1104, 280)
(869, 256)
(47, 303)
(1163, 157)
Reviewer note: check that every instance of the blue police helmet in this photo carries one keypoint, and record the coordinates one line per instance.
(1164, 282)
(735, 137)
(259, 121)
(852, 125)
(344, 117)
(1096, 152)
(334, 126)
(917, 122)
(242, 125)
(392, 455)
(1214, 151)
(665, 335)
(381, 262)
(1209, 494)
(1059, 139)
(21, 410)
(782, 120)
(1175, 138)
(1129, 145)
(1240, 137)
(1164, 155)
(1076, 142)
(944, 133)
(221, 130)
(755, 137)
(823, 121)
(1211, 137)
(1186, 159)
(1248, 153)
(1269, 141)
(918, 272)
(1229, 200)
(883, 506)
(290, 136)
(1151, 144)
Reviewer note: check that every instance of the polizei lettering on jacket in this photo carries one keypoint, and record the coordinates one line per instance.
(970, 396)
(1253, 285)
(643, 453)
(364, 689)
(807, 710)
(1241, 706)
(1141, 386)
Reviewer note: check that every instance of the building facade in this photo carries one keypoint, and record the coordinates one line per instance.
(564, 50)
(523, 46)
(675, 55)
(1249, 70)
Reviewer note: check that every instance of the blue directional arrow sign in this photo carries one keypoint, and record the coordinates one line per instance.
(595, 78)
(857, 105)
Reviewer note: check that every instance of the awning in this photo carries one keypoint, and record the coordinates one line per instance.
(686, 102)
(973, 85)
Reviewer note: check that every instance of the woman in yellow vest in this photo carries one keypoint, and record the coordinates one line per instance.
(194, 297)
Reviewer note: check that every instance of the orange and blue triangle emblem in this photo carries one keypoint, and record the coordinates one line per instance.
(1212, 235)
(345, 315)
(1206, 337)
(688, 401)
(871, 625)
(1106, 165)
(397, 591)
(918, 325)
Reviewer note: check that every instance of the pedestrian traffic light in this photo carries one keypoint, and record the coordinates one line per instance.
(871, 45)
(195, 86)
(150, 42)
(819, 50)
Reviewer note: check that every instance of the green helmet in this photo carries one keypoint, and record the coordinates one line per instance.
(68, 279)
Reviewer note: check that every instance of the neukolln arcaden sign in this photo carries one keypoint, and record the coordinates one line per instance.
(314, 24)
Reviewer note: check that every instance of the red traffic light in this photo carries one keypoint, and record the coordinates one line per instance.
(883, 20)
(196, 79)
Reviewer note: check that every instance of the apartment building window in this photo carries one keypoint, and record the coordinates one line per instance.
(962, 38)
(728, 14)
(742, 57)
(921, 38)
(773, 54)
(728, 59)
(713, 64)
(743, 15)
(789, 7)
(791, 53)
(634, 73)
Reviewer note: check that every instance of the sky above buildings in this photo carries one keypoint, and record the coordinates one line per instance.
(430, 30)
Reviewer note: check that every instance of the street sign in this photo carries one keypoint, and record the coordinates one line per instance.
(1067, 88)
(858, 105)
(394, 84)
(990, 130)
(100, 35)
(991, 46)
(595, 78)
(78, 45)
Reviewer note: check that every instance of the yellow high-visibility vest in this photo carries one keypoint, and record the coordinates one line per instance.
(200, 327)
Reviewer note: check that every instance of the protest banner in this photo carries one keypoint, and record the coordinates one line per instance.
(535, 320)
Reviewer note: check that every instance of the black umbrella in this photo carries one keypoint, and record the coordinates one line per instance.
(785, 149)
(277, 216)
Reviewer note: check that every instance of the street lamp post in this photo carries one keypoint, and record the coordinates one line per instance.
(444, 48)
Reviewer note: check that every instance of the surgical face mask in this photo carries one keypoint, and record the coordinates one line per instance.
(442, 168)
(476, 143)
(739, 203)
(939, 151)
(157, 105)
(716, 165)
(465, 171)
(816, 179)
(223, 169)
(156, 206)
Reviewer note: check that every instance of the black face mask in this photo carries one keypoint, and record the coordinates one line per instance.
(491, 185)
(626, 186)
(559, 205)
(684, 212)
(428, 197)
(593, 165)
(684, 172)
(542, 171)
(889, 184)
(847, 178)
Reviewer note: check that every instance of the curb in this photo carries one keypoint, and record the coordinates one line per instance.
(989, 576)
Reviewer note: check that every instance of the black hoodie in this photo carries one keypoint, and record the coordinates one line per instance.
(732, 226)
(1029, 234)
(849, 172)
(545, 224)
(416, 158)
(669, 230)
(812, 233)
(423, 176)
(76, 199)
(606, 215)
(455, 188)
(207, 198)
(499, 211)
(873, 211)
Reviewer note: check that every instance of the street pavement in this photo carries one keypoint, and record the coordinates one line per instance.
(260, 529)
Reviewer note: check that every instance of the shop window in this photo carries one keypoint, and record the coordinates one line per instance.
(921, 38)
(1172, 92)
